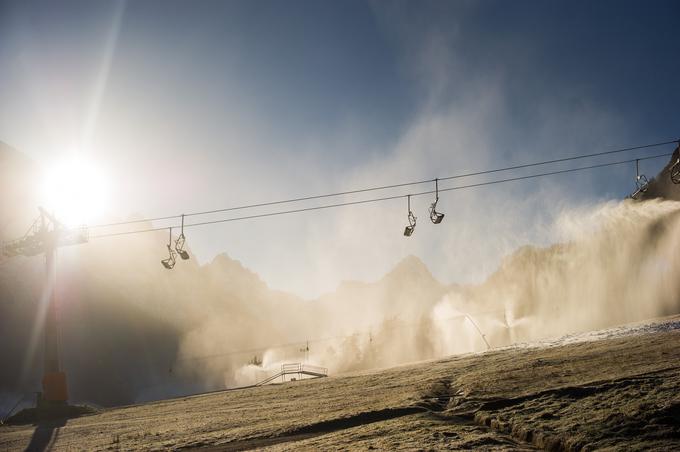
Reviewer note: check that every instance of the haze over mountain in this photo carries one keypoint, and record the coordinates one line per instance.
(132, 331)
(19, 176)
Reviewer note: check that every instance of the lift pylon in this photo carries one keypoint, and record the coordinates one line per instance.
(45, 235)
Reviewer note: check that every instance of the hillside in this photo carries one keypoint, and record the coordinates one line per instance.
(613, 389)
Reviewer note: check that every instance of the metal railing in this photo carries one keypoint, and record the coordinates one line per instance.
(297, 368)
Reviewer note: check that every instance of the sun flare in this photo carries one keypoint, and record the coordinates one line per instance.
(76, 191)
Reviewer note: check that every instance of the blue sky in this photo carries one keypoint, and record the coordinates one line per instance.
(201, 105)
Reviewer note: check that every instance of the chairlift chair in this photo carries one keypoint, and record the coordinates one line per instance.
(179, 247)
(641, 181)
(179, 243)
(408, 230)
(675, 171)
(169, 263)
(436, 217)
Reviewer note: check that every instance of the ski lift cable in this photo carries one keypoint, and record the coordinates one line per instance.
(387, 187)
(381, 199)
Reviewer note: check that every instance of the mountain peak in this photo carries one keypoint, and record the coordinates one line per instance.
(412, 262)
(233, 269)
(410, 267)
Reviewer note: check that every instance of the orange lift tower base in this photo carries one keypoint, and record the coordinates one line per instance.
(44, 237)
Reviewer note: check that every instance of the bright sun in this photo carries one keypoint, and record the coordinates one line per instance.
(76, 191)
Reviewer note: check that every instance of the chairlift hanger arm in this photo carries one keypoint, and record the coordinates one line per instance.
(641, 181)
(436, 217)
(408, 230)
(170, 261)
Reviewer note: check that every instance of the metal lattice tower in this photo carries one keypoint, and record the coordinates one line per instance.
(44, 236)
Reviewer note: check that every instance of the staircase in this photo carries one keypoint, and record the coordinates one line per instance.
(298, 369)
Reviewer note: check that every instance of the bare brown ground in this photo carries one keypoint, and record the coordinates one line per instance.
(621, 392)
